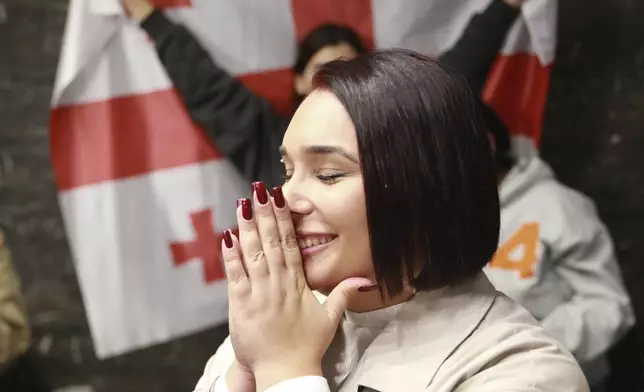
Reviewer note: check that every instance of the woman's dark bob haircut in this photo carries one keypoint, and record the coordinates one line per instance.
(428, 171)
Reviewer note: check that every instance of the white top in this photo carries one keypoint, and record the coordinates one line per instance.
(300, 384)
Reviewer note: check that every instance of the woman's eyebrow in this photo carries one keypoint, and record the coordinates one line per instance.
(324, 150)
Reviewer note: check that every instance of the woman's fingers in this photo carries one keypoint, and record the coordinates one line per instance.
(267, 228)
(251, 245)
(288, 236)
(267, 237)
(339, 299)
(238, 283)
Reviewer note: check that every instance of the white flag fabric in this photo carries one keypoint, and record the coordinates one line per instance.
(144, 193)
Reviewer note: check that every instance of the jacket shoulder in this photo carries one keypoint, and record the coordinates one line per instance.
(511, 351)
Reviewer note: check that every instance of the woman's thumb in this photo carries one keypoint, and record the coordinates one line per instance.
(339, 299)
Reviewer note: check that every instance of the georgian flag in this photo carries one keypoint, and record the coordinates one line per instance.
(143, 192)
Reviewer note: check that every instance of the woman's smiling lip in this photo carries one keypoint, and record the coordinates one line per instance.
(312, 243)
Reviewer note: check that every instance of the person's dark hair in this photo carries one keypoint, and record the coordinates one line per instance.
(429, 177)
(327, 34)
(501, 135)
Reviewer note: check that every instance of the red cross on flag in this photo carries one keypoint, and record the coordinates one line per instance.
(144, 193)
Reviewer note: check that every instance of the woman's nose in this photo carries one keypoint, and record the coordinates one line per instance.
(297, 199)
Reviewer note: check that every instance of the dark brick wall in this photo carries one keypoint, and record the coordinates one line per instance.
(594, 128)
(593, 137)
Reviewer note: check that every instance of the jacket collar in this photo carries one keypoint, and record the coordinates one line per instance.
(430, 327)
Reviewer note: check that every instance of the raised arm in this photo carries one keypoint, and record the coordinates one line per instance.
(242, 125)
(481, 41)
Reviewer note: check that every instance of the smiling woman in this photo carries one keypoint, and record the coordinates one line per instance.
(391, 211)
(424, 153)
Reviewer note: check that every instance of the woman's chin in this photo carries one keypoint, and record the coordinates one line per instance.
(319, 279)
(321, 285)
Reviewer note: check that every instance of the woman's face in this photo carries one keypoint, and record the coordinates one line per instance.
(304, 82)
(324, 191)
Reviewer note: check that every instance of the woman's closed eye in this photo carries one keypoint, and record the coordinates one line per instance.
(330, 178)
(325, 176)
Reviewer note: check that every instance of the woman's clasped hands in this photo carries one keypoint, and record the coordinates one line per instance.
(278, 328)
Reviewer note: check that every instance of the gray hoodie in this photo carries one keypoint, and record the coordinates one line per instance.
(556, 258)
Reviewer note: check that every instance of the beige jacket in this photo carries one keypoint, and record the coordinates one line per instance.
(14, 327)
(470, 339)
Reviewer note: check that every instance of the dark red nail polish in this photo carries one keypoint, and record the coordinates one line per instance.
(228, 239)
(366, 289)
(260, 190)
(278, 196)
(239, 202)
(246, 207)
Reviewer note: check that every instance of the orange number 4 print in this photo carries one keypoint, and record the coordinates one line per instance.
(527, 237)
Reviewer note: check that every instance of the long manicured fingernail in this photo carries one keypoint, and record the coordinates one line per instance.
(247, 209)
(278, 197)
(260, 190)
(228, 239)
(368, 288)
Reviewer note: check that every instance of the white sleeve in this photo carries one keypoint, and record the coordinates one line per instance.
(599, 312)
(220, 385)
(301, 384)
(213, 377)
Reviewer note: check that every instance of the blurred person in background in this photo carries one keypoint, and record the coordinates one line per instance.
(556, 258)
(243, 125)
(14, 325)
